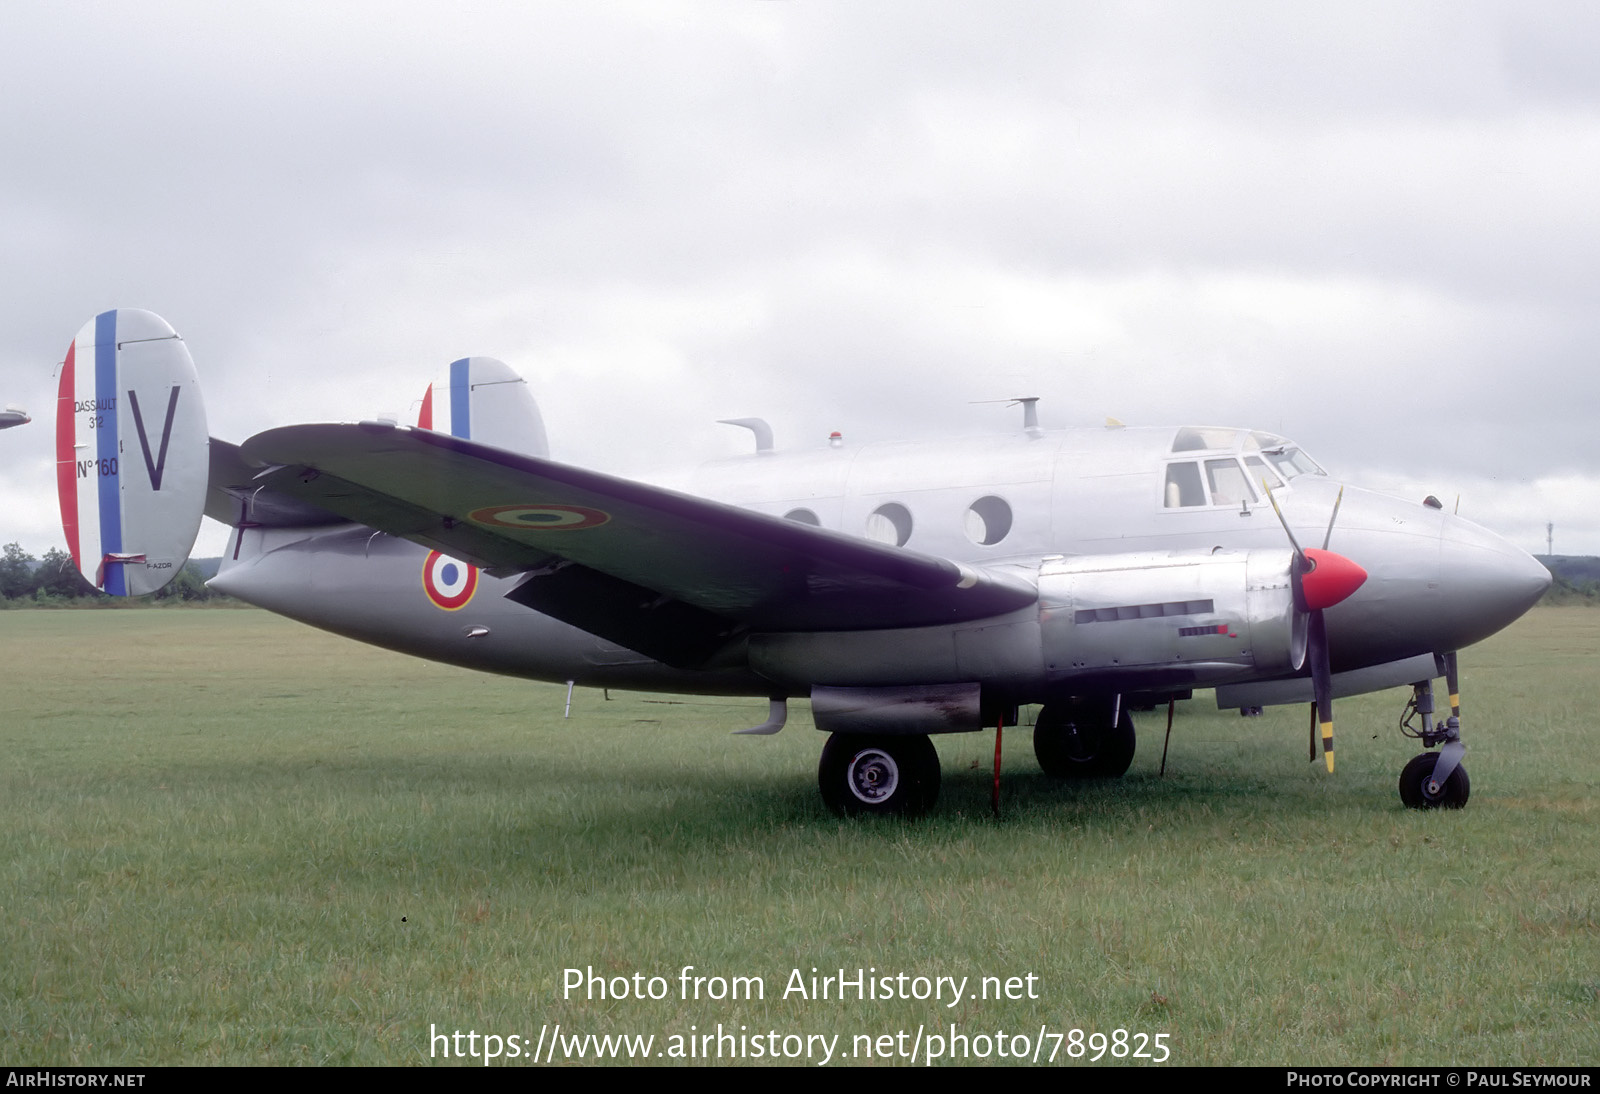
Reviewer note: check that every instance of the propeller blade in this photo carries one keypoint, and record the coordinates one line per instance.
(1292, 541)
(1333, 518)
(1321, 682)
(1322, 579)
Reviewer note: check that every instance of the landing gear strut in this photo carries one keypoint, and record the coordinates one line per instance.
(1084, 739)
(1434, 780)
(866, 773)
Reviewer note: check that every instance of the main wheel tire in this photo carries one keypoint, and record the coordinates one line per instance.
(861, 773)
(1077, 740)
(1414, 785)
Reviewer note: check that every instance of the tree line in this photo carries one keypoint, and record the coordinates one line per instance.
(1565, 590)
(1575, 579)
(55, 580)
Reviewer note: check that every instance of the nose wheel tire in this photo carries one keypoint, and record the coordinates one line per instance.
(860, 773)
(1416, 792)
(1077, 740)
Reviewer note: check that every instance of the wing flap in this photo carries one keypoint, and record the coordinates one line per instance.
(235, 497)
(509, 512)
(661, 628)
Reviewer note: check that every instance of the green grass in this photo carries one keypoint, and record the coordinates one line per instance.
(230, 839)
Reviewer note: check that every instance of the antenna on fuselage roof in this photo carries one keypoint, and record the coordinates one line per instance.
(759, 427)
(1030, 412)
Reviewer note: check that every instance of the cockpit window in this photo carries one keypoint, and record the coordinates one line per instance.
(1198, 439)
(1290, 461)
(1286, 456)
(1260, 471)
(1183, 486)
(1262, 458)
(1228, 484)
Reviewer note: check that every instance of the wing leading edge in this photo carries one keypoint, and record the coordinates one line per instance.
(650, 568)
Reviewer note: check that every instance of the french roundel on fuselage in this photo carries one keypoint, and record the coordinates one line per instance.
(448, 582)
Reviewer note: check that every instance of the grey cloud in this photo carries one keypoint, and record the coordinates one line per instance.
(864, 216)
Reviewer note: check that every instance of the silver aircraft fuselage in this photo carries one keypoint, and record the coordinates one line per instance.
(1029, 502)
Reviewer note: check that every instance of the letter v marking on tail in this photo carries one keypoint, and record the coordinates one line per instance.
(160, 463)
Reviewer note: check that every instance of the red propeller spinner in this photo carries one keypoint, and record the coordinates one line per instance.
(1329, 579)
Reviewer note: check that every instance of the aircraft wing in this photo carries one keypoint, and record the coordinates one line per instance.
(653, 569)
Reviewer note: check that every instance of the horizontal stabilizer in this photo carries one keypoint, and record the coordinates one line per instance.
(237, 499)
(511, 513)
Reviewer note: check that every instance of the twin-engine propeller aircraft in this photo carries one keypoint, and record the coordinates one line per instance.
(904, 589)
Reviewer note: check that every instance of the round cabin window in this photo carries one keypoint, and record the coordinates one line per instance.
(988, 520)
(890, 523)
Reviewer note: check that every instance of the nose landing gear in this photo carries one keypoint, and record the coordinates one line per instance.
(1420, 787)
(1435, 779)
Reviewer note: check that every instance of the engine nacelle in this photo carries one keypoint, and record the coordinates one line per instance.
(1170, 619)
(1103, 623)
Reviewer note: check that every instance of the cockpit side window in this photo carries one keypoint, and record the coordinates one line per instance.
(1260, 471)
(1233, 480)
(1288, 458)
(1183, 486)
(1228, 484)
(1290, 461)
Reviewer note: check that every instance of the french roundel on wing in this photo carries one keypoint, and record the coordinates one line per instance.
(540, 518)
(448, 582)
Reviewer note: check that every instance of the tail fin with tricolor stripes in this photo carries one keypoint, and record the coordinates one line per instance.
(482, 399)
(131, 452)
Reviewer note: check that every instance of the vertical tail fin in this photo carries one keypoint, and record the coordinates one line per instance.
(131, 452)
(482, 399)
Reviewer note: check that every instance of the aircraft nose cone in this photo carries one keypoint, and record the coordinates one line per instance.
(1485, 582)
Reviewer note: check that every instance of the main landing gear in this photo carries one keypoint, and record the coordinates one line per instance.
(1434, 780)
(879, 773)
(1084, 739)
(899, 773)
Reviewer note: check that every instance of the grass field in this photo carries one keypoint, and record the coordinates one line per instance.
(231, 839)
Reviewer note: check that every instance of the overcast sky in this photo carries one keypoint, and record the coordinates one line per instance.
(1374, 228)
